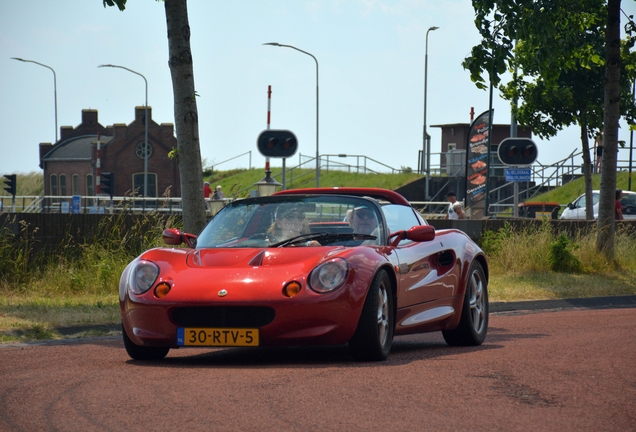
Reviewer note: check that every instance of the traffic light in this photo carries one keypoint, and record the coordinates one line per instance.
(277, 143)
(107, 183)
(517, 151)
(10, 182)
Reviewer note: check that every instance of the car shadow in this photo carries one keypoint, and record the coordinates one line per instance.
(405, 350)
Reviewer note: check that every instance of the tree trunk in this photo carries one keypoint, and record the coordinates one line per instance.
(606, 224)
(587, 172)
(186, 117)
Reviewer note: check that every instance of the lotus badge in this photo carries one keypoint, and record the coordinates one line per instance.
(223, 293)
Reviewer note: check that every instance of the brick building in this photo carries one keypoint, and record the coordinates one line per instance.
(70, 165)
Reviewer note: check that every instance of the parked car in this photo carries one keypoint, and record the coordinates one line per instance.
(364, 267)
(576, 209)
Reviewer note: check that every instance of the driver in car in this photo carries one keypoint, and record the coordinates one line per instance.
(290, 222)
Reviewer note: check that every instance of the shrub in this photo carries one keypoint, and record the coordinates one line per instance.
(561, 258)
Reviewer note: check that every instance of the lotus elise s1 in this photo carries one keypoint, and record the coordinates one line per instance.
(324, 266)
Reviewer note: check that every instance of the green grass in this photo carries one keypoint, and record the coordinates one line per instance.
(236, 183)
(26, 317)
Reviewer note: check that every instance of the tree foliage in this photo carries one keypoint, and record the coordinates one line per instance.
(556, 52)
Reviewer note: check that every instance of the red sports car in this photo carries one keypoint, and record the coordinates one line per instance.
(321, 266)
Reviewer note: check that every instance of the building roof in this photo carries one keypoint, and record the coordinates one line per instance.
(76, 149)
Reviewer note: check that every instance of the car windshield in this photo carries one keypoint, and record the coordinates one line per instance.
(294, 220)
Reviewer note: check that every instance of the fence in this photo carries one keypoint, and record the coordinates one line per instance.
(543, 178)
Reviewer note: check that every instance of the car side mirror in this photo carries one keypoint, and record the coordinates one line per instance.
(175, 237)
(418, 233)
(571, 206)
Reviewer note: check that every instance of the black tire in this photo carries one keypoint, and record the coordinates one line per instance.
(473, 324)
(374, 335)
(137, 352)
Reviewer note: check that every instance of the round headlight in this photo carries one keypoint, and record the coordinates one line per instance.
(143, 276)
(329, 276)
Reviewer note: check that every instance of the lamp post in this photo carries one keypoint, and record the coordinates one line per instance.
(54, 86)
(426, 145)
(267, 186)
(317, 148)
(145, 125)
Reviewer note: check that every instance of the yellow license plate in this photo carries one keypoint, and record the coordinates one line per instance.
(217, 337)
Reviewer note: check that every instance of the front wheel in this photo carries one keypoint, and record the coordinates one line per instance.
(138, 352)
(374, 336)
(473, 324)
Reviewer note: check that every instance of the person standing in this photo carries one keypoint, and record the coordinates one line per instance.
(618, 209)
(598, 143)
(455, 210)
(207, 190)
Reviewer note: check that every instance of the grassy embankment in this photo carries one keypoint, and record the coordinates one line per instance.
(78, 286)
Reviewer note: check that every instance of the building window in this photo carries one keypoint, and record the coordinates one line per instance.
(138, 184)
(75, 184)
(140, 150)
(90, 187)
(452, 146)
(62, 184)
(54, 185)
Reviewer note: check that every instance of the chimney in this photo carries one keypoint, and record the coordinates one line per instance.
(89, 117)
(140, 113)
(44, 149)
(66, 132)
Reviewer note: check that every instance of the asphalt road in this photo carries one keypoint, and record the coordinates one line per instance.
(568, 367)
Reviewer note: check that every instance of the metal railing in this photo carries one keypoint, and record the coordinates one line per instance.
(543, 178)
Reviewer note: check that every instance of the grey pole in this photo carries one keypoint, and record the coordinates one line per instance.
(145, 126)
(54, 87)
(426, 145)
(317, 106)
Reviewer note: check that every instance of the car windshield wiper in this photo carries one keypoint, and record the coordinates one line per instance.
(329, 237)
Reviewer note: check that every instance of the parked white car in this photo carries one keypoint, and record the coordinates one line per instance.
(576, 209)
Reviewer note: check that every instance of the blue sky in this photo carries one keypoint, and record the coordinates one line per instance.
(371, 74)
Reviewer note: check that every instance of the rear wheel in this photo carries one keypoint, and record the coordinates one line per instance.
(374, 335)
(473, 324)
(137, 352)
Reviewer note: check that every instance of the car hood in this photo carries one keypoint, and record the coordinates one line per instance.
(253, 258)
(197, 275)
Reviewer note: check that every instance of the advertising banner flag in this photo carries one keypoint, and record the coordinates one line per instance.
(477, 160)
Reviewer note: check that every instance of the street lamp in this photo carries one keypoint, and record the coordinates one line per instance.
(317, 148)
(267, 186)
(54, 86)
(145, 125)
(426, 145)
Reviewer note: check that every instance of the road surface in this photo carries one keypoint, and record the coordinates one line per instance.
(541, 370)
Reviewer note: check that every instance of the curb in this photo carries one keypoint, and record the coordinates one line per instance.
(587, 303)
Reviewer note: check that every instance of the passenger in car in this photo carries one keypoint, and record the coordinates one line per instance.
(364, 221)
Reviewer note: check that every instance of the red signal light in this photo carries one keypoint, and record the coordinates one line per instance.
(517, 151)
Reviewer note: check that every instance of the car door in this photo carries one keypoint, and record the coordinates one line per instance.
(578, 210)
(414, 269)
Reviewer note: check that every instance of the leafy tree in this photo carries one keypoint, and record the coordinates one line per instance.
(559, 48)
(186, 117)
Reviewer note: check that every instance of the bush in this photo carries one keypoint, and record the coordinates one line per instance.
(561, 258)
